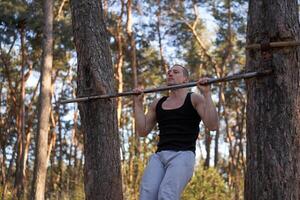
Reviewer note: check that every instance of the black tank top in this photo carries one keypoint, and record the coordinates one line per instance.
(178, 128)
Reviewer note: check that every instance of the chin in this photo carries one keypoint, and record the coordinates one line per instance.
(170, 84)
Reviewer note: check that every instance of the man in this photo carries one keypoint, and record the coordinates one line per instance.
(178, 116)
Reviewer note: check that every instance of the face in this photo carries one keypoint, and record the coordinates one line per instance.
(176, 75)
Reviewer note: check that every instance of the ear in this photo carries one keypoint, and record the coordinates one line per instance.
(186, 80)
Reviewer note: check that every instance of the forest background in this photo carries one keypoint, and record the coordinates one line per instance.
(146, 37)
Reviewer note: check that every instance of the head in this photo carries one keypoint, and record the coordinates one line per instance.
(177, 74)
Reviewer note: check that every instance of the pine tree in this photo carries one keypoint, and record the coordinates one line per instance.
(99, 120)
(273, 128)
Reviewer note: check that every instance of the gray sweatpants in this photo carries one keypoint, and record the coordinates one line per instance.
(167, 174)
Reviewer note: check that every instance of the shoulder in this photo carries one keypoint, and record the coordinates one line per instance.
(154, 103)
(196, 99)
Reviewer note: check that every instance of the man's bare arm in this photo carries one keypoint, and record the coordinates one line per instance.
(144, 122)
(207, 110)
(205, 106)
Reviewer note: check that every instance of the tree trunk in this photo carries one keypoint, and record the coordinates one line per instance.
(273, 110)
(132, 43)
(99, 120)
(60, 157)
(120, 61)
(3, 170)
(133, 61)
(207, 147)
(216, 158)
(164, 66)
(40, 168)
(20, 171)
(9, 171)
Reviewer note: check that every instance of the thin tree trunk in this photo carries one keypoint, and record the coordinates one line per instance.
(25, 160)
(163, 64)
(120, 62)
(207, 147)
(229, 138)
(60, 10)
(40, 167)
(99, 118)
(51, 145)
(216, 158)
(241, 131)
(69, 171)
(273, 114)
(3, 169)
(9, 170)
(52, 187)
(10, 105)
(133, 61)
(60, 158)
(226, 60)
(132, 43)
(75, 141)
(20, 171)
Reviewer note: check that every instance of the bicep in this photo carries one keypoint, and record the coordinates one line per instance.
(151, 117)
(203, 111)
(150, 121)
(199, 105)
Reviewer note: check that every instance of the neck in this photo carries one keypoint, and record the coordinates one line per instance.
(178, 93)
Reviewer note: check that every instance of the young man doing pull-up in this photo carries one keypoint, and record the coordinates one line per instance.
(178, 116)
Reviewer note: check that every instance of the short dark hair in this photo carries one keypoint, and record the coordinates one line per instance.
(185, 70)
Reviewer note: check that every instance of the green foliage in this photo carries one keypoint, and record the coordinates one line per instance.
(8, 195)
(78, 192)
(206, 184)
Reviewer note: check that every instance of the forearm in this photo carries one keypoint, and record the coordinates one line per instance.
(140, 118)
(211, 115)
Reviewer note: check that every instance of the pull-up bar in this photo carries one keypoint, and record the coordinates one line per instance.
(164, 88)
(191, 84)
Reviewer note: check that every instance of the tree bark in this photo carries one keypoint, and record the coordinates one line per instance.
(220, 104)
(273, 110)
(3, 170)
(102, 172)
(208, 139)
(136, 145)
(40, 168)
(164, 66)
(132, 43)
(20, 170)
(120, 61)
(9, 171)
